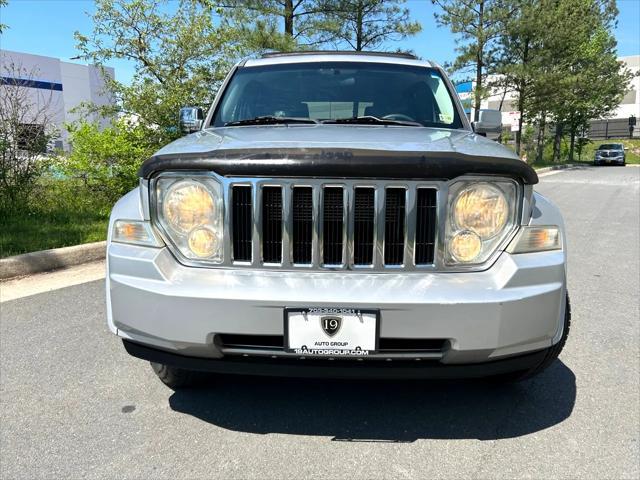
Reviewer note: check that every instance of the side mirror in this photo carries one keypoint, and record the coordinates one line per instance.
(191, 119)
(489, 121)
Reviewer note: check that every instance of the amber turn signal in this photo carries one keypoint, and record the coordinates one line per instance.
(536, 239)
(135, 232)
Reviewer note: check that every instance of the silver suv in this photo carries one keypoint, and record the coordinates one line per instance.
(610, 153)
(337, 215)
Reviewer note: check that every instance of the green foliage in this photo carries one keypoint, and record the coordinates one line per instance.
(61, 214)
(368, 24)
(106, 160)
(180, 56)
(557, 56)
(477, 24)
(3, 3)
(305, 23)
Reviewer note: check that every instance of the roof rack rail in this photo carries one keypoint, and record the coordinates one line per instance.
(409, 56)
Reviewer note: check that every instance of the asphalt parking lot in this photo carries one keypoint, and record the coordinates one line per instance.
(73, 404)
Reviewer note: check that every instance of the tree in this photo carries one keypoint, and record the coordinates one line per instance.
(578, 75)
(596, 81)
(367, 24)
(26, 128)
(304, 22)
(181, 53)
(564, 75)
(478, 24)
(519, 53)
(3, 3)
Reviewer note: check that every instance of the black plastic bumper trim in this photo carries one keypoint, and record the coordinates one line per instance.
(335, 369)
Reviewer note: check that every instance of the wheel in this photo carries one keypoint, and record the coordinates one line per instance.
(177, 378)
(549, 358)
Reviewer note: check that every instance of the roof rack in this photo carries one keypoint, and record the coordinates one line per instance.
(409, 56)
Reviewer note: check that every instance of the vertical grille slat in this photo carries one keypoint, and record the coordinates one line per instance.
(394, 228)
(333, 225)
(302, 205)
(272, 224)
(241, 223)
(425, 226)
(363, 226)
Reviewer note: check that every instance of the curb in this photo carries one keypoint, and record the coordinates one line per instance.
(563, 166)
(46, 260)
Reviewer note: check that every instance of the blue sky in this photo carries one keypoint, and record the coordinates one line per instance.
(46, 27)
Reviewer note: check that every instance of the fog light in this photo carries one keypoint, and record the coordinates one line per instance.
(203, 242)
(465, 246)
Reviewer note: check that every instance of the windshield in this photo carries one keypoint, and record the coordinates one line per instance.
(328, 91)
(610, 146)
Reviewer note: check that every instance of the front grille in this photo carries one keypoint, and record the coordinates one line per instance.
(345, 225)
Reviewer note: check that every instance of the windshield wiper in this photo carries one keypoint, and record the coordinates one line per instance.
(269, 120)
(371, 120)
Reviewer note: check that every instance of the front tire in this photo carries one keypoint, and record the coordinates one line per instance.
(177, 378)
(552, 354)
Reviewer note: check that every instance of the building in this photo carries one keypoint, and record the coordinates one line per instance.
(57, 86)
(616, 124)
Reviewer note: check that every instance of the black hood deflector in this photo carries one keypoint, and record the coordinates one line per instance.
(340, 163)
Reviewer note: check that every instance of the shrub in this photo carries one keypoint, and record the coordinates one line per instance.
(106, 160)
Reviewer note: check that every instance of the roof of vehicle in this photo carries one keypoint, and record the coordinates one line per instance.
(277, 58)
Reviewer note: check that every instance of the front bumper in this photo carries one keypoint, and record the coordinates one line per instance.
(515, 307)
(609, 160)
(338, 368)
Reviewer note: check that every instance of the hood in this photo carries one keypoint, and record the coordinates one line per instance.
(339, 151)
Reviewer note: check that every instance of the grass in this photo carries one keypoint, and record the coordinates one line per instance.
(34, 231)
(60, 213)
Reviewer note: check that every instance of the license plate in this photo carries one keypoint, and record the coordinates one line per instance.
(331, 331)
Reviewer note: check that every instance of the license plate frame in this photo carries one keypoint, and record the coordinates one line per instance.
(346, 314)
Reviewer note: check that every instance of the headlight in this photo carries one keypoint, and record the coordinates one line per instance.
(187, 205)
(189, 212)
(481, 208)
(481, 216)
